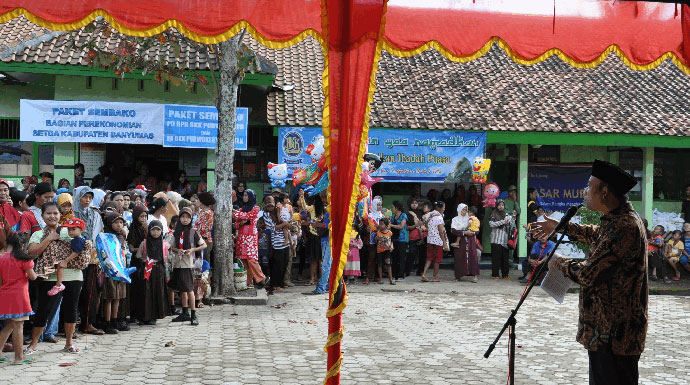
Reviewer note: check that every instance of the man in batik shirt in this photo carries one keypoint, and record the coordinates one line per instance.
(613, 278)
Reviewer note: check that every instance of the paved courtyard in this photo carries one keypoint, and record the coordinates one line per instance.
(412, 333)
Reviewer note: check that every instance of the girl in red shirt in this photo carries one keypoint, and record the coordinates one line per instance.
(16, 268)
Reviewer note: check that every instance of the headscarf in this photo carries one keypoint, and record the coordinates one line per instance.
(461, 222)
(7, 210)
(173, 199)
(110, 218)
(376, 214)
(154, 246)
(98, 196)
(94, 223)
(249, 205)
(183, 231)
(137, 233)
(65, 198)
(498, 215)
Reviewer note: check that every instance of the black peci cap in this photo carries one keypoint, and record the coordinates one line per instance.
(614, 176)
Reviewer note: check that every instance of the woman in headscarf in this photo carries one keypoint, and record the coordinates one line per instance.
(9, 216)
(465, 253)
(137, 235)
(247, 246)
(151, 302)
(65, 204)
(375, 214)
(173, 204)
(98, 197)
(90, 299)
(500, 223)
(417, 246)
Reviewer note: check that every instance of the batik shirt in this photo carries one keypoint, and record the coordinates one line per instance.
(613, 282)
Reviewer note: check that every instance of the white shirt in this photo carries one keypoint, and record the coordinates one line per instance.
(433, 235)
(163, 221)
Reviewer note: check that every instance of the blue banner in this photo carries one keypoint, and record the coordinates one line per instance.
(559, 187)
(408, 155)
(197, 126)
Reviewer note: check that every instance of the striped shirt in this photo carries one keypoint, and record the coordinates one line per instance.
(499, 230)
(277, 236)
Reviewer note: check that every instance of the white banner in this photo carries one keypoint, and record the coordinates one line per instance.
(91, 122)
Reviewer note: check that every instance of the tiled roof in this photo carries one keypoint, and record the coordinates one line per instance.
(495, 93)
(428, 91)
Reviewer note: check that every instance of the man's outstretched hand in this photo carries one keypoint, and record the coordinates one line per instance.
(544, 228)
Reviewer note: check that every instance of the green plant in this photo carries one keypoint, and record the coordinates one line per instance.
(587, 217)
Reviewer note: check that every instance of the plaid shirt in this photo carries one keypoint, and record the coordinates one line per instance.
(499, 231)
(613, 282)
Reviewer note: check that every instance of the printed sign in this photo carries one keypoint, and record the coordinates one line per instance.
(408, 155)
(197, 126)
(90, 122)
(559, 187)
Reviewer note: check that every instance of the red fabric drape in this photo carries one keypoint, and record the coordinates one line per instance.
(685, 16)
(276, 20)
(644, 31)
(352, 29)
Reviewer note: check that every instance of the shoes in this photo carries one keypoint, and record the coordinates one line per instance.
(122, 326)
(193, 321)
(507, 278)
(174, 311)
(523, 280)
(56, 289)
(184, 317)
(290, 284)
(109, 329)
(653, 278)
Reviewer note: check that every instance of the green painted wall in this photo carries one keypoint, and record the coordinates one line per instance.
(41, 88)
(583, 154)
(74, 88)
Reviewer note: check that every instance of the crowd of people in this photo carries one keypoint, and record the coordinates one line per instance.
(50, 276)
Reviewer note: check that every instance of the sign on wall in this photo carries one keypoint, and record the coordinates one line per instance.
(197, 126)
(408, 155)
(90, 122)
(559, 187)
(136, 123)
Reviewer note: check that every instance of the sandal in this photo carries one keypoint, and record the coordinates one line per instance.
(424, 278)
(28, 360)
(3, 358)
(72, 349)
(435, 280)
(52, 340)
(475, 280)
(56, 289)
(94, 331)
(29, 351)
(676, 278)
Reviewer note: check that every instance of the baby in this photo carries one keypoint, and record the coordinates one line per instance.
(75, 227)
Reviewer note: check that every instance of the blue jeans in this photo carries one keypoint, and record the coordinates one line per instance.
(322, 287)
(52, 328)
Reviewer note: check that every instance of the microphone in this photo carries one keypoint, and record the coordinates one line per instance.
(566, 219)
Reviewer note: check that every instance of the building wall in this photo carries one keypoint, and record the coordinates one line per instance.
(42, 88)
(583, 154)
(74, 88)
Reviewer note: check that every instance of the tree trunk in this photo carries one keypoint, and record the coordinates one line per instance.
(223, 282)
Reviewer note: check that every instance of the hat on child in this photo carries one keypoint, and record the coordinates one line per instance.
(142, 187)
(75, 222)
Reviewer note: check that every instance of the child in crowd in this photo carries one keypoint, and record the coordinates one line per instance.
(173, 263)
(75, 227)
(384, 247)
(674, 250)
(655, 243)
(16, 269)
(187, 245)
(152, 303)
(64, 202)
(352, 268)
(114, 291)
(264, 245)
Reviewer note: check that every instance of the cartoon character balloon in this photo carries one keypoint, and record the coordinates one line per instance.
(277, 173)
(364, 205)
(480, 169)
(491, 192)
(112, 258)
(313, 173)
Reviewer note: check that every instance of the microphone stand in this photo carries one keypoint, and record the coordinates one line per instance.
(511, 321)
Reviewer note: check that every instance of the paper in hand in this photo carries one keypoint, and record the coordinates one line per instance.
(556, 284)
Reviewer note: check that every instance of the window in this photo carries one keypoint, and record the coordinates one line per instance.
(141, 84)
(89, 82)
(166, 86)
(9, 129)
(116, 84)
